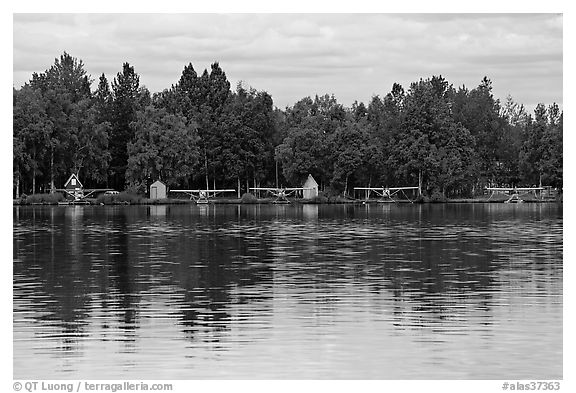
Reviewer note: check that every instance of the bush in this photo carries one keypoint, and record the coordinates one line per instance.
(44, 198)
(338, 199)
(421, 199)
(123, 197)
(248, 198)
(437, 197)
(320, 198)
(331, 193)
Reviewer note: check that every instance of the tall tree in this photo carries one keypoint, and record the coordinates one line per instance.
(385, 118)
(516, 120)
(165, 147)
(247, 129)
(480, 114)
(531, 154)
(541, 152)
(351, 143)
(125, 105)
(63, 86)
(68, 74)
(218, 91)
(304, 151)
(430, 143)
(552, 157)
(215, 89)
(88, 144)
(359, 111)
(103, 100)
(31, 133)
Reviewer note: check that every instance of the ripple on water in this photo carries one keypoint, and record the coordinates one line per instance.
(273, 292)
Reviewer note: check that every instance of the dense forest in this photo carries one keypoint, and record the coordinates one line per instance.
(200, 133)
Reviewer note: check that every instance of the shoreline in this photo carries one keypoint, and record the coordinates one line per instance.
(148, 202)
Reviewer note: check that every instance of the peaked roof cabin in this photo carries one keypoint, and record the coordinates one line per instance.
(313, 188)
(73, 183)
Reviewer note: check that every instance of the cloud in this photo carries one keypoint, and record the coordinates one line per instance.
(294, 55)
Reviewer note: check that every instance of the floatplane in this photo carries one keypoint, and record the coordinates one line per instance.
(202, 196)
(515, 193)
(281, 194)
(386, 194)
(73, 188)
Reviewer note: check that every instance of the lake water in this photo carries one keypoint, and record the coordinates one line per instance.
(381, 291)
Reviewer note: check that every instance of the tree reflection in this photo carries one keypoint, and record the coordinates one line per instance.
(119, 251)
(51, 258)
(213, 274)
(211, 266)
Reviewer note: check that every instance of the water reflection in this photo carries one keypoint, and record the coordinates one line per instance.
(296, 291)
(158, 210)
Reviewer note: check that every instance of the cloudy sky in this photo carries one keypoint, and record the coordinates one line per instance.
(353, 56)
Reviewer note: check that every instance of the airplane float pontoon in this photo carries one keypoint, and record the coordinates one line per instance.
(202, 196)
(515, 193)
(281, 194)
(386, 194)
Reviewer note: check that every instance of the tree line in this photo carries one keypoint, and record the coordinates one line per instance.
(199, 133)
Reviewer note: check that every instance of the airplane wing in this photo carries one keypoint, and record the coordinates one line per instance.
(202, 194)
(382, 189)
(89, 191)
(92, 190)
(279, 189)
(515, 188)
(227, 190)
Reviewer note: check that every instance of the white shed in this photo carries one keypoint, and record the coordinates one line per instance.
(312, 186)
(158, 190)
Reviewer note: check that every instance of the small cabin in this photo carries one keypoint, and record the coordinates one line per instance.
(73, 184)
(312, 186)
(158, 190)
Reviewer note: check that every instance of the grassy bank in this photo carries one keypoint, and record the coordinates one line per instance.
(125, 198)
(40, 199)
